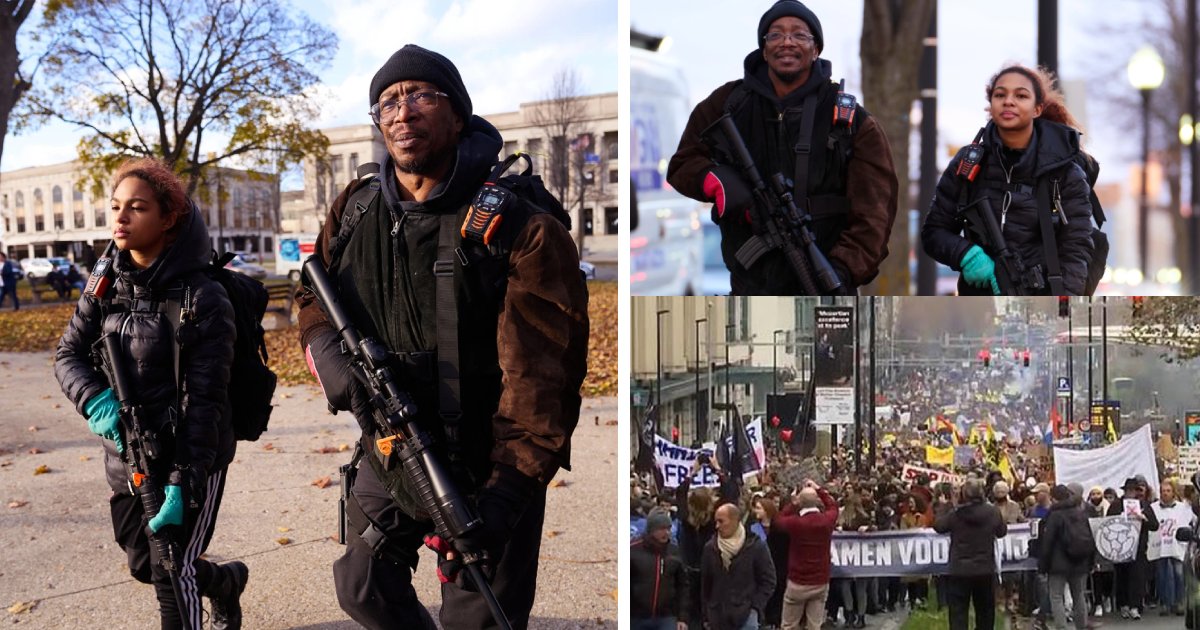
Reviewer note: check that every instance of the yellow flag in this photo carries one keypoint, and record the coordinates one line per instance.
(944, 456)
(1006, 469)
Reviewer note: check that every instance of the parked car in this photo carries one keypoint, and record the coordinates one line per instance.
(588, 269)
(249, 269)
(249, 257)
(40, 267)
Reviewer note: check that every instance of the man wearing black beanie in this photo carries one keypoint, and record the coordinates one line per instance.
(836, 159)
(488, 335)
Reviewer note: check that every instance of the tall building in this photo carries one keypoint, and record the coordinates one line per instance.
(588, 155)
(51, 211)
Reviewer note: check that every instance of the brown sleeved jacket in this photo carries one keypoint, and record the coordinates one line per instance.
(541, 337)
(871, 185)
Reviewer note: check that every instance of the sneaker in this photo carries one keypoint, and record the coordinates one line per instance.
(1108, 604)
(1124, 612)
(226, 596)
(1099, 612)
(1135, 613)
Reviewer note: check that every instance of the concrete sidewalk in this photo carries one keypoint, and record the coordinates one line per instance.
(57, 547)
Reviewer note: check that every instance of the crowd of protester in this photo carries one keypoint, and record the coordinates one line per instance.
(758, 554)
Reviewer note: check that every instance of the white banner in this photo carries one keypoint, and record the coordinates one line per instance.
(1116, 536)
(1111, 465)
(675, 461)
(911, 472)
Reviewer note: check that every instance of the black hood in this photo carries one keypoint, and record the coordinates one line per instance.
(976, 512)
(191, 251)
(478, 146)
(1071, 503)
(759, 81)
(1054, 144)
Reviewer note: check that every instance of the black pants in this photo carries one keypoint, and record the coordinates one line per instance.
(377, 592)
(10, 288)
(129, 528)
(1131, 582)
(965, 590)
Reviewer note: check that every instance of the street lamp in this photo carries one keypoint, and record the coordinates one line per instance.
(729, 328)
(699, 422)
(775, 365)
(658, 355)
(1145, 75)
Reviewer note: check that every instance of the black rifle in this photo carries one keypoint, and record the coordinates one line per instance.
(142, 446)
(1011, 274)
(778, 222)
(398, 434)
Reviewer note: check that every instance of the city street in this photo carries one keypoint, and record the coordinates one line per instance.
(278, 516)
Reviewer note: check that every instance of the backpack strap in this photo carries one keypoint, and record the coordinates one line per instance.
(803, 148)
(449, 378)
(362, 199)
(1047, 208)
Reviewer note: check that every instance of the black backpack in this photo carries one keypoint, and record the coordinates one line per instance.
(251, 382)
(1080, 545)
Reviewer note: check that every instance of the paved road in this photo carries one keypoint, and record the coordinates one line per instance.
(57, 548)
(1151, 621)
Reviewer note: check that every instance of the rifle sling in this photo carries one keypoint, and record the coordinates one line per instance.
(449, 380)
(1049, 243)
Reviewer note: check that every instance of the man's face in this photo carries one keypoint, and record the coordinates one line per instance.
(1096, 497)
(421, 142)
(789, 57)
(661, 535)
(726, 524)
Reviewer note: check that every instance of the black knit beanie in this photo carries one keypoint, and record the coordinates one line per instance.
(784, 8)
(413, 63)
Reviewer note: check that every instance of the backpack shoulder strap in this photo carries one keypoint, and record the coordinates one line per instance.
(803, 148)
(1048, 205)
(364, 196)
(446, 309)
(737, 97)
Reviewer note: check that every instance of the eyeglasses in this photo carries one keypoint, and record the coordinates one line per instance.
(775, 37)
(384, 113)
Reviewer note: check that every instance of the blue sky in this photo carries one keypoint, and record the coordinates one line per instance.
(506, 52)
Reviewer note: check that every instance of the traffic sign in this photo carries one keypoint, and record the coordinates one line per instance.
(1064, 384)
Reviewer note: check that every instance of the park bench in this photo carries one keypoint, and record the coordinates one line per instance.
(40, 286)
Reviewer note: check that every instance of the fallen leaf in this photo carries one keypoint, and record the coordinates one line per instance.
(610, 423)
(284, 530)
(41, 470)
(325, 450)
(552, 534)
(84, 458)
(46, 397)
(22, 607)
(36, 451)
(283, 540)
(342, 448)
(33, 428)
(17, 504)
(269, 446)
(5, 464)
(322, 482)
(285, 395)
(559, 483)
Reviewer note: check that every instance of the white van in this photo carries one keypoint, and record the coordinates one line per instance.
(665, 239)
(290, 252)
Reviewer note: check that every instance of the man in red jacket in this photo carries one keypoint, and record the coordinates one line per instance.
(809, 523)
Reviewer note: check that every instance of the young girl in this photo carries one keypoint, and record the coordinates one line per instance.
(162, 249)
(1031, 136)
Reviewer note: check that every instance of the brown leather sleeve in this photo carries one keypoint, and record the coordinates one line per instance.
(872, 189)
(691, 161)
(542, 343)
(312, 318)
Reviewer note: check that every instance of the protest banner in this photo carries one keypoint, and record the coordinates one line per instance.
(675, 461)
(1111, 465)
(923, 551)
(911, 472)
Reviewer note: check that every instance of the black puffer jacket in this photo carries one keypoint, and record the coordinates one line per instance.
(658, 582)
(1052, 148)
(973, 528)
(729, 594)
(148, 345)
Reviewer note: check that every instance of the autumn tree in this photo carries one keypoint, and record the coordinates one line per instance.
(893, 35)
(562, 115)
(1173, 324)
(12, 84)
(175, 80)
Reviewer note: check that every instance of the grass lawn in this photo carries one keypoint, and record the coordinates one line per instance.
(931, 619)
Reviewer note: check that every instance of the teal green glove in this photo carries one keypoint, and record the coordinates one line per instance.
(979, 270)
(104, 417)
(171, 512)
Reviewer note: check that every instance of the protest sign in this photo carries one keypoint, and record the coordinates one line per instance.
(911, 472)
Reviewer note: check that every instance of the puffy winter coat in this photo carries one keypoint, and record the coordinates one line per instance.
(1051, 152)
(973, 528)
(1053, 533)
(147, 348)
(729, 594)
(658, 582)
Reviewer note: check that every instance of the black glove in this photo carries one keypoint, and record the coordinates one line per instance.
(730, 195)
(335, 374)
(501, 503)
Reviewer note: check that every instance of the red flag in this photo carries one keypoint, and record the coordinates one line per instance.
(1055, 421)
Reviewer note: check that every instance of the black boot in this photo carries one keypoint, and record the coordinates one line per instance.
(225, 594)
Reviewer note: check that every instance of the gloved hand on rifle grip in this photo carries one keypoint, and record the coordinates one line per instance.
(104, 417)
(501, 504)
(979, 270)
(334, 372)
(171, 512)
(724, 185)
